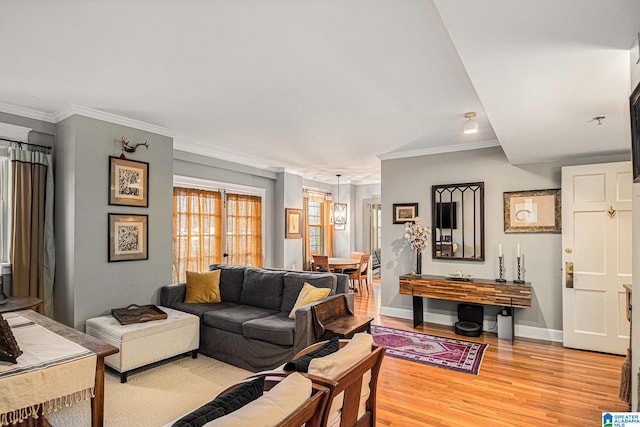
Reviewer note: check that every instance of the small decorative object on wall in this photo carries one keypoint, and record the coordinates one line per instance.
(130, 148)
(293, 223)
(128, 237)
(404, 212)
(128, 182)
(418, 237)
(536, 211)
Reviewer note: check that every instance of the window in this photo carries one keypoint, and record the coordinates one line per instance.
(316, 243)
(4, 205)
(197, 230)
(201, 221)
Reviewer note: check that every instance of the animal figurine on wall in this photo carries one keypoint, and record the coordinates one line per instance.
(131, 148)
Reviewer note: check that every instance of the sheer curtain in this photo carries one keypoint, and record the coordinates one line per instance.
(244, 229)
(197, 230)
(32, 252)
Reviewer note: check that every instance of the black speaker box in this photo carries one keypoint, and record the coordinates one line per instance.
(469, 322)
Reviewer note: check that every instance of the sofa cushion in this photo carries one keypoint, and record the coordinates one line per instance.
(273, 407)
(276, 329)
(224, 404)
(203, 287)
(301, 364)
(294, 281)
(262, 288)
(231, 278)
(308, 294)
(231, 319)
(201, 308)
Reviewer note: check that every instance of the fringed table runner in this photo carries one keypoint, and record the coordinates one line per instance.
(52, 373)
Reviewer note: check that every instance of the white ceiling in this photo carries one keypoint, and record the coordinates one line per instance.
(325, 87)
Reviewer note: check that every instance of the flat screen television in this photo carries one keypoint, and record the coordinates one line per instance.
(634, 104)
(446, 215)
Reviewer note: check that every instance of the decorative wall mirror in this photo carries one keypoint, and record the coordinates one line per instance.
(457, 218)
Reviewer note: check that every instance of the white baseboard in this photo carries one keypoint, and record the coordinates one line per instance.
(449, 320)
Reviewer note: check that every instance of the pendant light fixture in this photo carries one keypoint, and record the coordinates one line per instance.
(339, 210)
(471, 125)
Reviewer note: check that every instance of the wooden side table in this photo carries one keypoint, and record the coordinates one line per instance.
(333, 318)
(20, 303)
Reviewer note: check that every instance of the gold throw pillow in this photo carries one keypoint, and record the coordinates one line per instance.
(307, 295)
(203, 287)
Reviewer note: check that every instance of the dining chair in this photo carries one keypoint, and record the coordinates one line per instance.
(362, 273)
(356, 255)
(320, 263)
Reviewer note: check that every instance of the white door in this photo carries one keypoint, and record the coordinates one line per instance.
(596, 242)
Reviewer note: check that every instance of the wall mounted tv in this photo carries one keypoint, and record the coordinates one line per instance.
(446, 215)
(634, 104)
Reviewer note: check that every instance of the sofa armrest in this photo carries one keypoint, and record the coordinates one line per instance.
(342, 283)
(172, 294)
(305, 333)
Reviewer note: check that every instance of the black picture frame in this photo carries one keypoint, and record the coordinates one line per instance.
(128, 182)
(128, 237)
(404, 212)
(634, 111)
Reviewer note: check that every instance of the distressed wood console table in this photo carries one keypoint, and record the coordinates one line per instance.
(479, 291)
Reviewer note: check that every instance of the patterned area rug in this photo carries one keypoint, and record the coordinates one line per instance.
(449, 353)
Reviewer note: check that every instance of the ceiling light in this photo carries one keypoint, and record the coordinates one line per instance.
(471, 125)
(339, 209)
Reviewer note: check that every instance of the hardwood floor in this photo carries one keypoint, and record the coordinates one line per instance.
(532, 383)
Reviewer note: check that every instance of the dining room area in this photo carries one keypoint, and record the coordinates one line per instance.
(357, 267)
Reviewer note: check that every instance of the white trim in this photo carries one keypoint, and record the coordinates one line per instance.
(207, 184)
(26, 112)
(5, 268)
(439, 150)
(449, 320)
(70, 110)
(17, 133)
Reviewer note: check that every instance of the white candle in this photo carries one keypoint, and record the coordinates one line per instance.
(499, 249)
(518, 250)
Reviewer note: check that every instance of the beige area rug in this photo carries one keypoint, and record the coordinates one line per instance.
(156, 396)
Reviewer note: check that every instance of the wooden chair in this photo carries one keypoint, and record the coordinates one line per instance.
(310, 413)
(362, 273)
(356, 255)
(334, 318)
(321, 263)
(350, 382)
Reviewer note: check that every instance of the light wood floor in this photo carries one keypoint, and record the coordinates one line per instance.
(532, 383)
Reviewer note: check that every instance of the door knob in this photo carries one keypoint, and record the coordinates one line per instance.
(568, 250)
(568, 274)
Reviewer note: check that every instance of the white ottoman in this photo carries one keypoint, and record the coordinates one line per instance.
(143, 343)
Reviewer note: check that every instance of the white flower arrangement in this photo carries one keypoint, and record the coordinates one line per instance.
(417, 235)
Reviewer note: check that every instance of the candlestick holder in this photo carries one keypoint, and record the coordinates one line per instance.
(501, 269)
(519, 270)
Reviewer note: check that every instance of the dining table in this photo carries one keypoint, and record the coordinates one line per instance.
(340, 264)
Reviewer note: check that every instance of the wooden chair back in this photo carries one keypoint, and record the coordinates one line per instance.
(320, 262)
(362, 273)
(356, 255)
(350, 382)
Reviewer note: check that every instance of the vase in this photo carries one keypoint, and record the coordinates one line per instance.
(418, 262)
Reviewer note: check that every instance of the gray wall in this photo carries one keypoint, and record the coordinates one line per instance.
(87, 285)
(410, 180)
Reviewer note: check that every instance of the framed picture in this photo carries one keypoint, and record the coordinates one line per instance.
(536, 211)
(128, 237)
(128, 182)
(404, 212)
(293, 223)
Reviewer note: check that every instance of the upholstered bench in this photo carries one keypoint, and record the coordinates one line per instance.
(141, 344)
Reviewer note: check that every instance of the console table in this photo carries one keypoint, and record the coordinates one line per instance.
(479, 291)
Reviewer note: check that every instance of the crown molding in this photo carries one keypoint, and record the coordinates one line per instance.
(26, 112)
(79, 110)
(439, 150)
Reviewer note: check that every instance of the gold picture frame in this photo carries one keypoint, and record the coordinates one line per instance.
(128, 237)
(128, 182)
(293, 223)
(536, 211)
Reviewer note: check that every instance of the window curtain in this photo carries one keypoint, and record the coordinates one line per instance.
(244, 229)
(306, 251)
(197, 230)
(328, 230)
(32, 238)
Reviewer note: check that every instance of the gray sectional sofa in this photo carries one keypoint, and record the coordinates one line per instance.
(250, 327)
